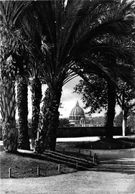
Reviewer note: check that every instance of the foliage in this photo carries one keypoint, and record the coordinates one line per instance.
(94, 93)
(118, 120)
(16, 47)
(126, 97)
(64, 123)
(73, 18)
(98, 121)
(131, 122)
(68, 35)
(72, 36)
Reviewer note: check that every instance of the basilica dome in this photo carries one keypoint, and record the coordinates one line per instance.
(76, 113)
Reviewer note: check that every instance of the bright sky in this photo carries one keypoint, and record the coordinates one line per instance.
(68, 100)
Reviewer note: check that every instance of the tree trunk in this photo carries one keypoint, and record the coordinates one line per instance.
(8, 108)
(36, 99)
(49, 119)
(111, 109)
(124, 122)
(22, 102)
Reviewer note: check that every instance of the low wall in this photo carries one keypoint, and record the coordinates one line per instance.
(85, 131)
(80, 132)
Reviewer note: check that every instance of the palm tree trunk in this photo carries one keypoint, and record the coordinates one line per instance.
(8, 109)
(50, 119)
(36, 99)
(22, 102)
(111, 109)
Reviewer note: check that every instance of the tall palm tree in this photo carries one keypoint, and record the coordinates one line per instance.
(31, 30)
(69, 29)
(10, 12)
(22, 60)
(22, 105)
(7, 107)
(17, 21)
(36, 89)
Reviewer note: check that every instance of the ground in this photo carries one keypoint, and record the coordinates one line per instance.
(104, 143)
(24, 167)
(115, 174)
(87, 182)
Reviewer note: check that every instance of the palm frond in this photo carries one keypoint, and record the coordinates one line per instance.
(12, 10)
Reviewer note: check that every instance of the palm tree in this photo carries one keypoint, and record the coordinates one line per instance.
(117, 60)
(10, 12)
(31, 31)
(36, 89)
(69, 30)
(17, 21)
(22, 105)
(7, 106)
(22, 60)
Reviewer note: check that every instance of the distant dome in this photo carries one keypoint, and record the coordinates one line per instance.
(76, 113)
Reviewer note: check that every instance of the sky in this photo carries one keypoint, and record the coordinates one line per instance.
(68, 100)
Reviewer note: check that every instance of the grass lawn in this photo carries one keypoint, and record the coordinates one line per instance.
(22, 166)
(119, 143)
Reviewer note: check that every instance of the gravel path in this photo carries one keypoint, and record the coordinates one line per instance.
(83, 182)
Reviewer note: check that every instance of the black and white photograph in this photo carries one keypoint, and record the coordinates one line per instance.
(67, 97)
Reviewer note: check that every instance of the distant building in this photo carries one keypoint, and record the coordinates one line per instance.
(77, 117)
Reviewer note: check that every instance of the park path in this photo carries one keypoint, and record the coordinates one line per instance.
(87, 182)
(122, 165)
(115, 154)
(115, 174)
(122, 161)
